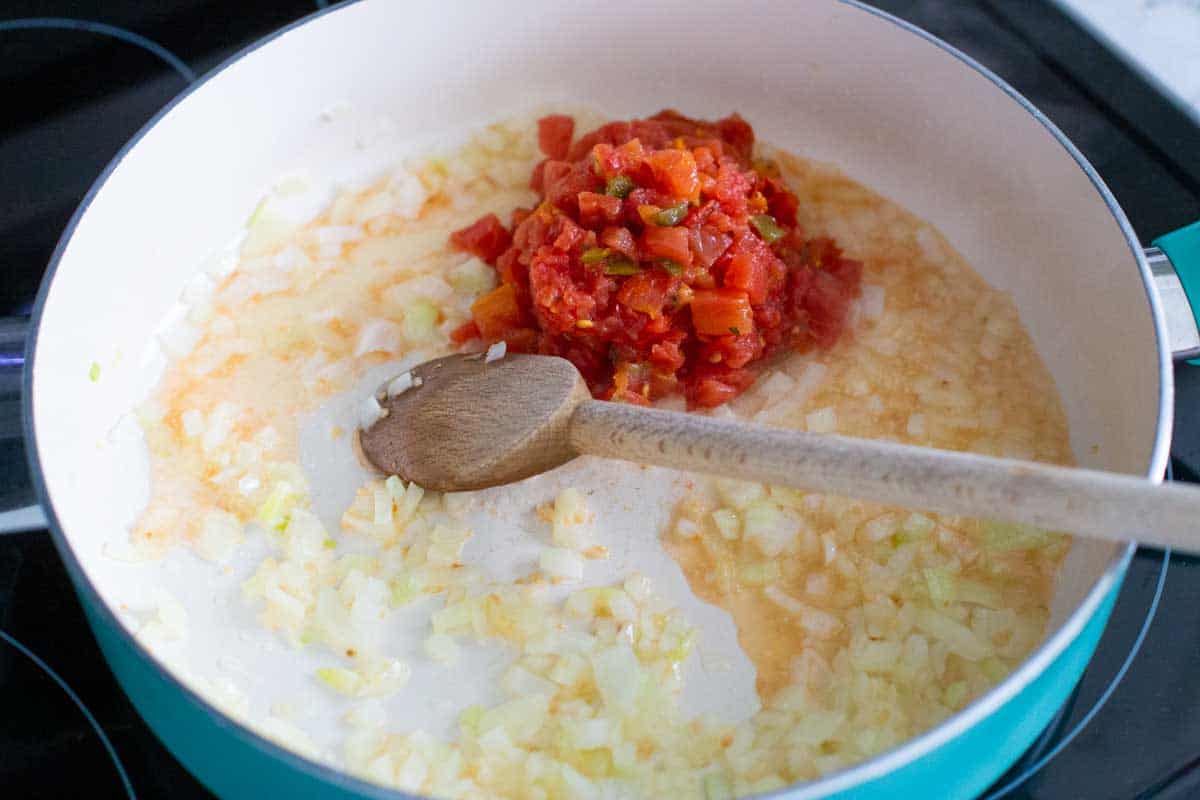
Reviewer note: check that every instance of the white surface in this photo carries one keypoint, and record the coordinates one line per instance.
(1162, 37)
(826, 80)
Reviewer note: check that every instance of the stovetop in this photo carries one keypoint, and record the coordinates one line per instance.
(79, 77)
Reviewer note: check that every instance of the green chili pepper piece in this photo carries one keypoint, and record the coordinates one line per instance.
(594, 255)
(621, 266)
(671, 215)
(619, 186)
(767, 228)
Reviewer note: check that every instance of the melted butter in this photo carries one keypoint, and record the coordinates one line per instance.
(947, 365)
(769, 637)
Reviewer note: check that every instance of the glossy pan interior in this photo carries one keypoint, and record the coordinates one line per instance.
(833, 81)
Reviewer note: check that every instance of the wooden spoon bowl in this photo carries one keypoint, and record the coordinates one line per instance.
(469, 423)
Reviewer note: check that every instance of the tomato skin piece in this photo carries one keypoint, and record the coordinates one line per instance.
(669, 243)
(486, 238)
(720, 312)
(708, 244)
(554, 135)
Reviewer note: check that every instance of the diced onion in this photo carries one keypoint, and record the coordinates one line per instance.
(400, 384)
(559, 562)
(441, 648)
(378, 336)
(495, 352)
(369, 412)
(823, 420)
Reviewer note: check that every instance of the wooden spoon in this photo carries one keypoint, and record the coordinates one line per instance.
(470, 424)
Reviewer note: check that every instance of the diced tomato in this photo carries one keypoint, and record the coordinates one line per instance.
(827, 303)
(667, 354)
(747, 269)
(511, 270)
(821, 252)
(732, 350)
(554, 135)
(614, 133)
(710, 386)
(569, 235)
(465, 332)
(522, 340)
(486, 238)
(620, 240)
(732, 189)
(498, 312)
(681, 289)
(631, 383)
(562, 183)
(781, 204)
(537, 180)
(738, 135)
(560, 298)
(669, 243)
(675, 173)
(598, 210)
(719, 312)
(848, 273)
(649, 292)
(709, 244)
(624, 160)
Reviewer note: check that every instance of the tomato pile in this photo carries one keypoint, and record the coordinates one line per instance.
(660, 259)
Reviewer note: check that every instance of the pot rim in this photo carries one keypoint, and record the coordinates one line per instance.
(901, 755)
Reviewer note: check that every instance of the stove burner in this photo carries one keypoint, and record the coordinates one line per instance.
(83, 709)
(1050, 744)
(66, 24)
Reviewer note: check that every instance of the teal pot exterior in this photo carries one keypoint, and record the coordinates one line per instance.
(231, 761)
(235, 763)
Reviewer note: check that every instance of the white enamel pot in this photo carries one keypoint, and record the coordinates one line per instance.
(896, 109)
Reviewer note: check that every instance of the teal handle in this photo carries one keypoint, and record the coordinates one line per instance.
(1183, 248)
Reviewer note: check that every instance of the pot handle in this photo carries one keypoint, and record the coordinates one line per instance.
(21, 512)
(1174, 260)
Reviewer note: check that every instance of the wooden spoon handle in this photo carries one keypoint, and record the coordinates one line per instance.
(1100, 505)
